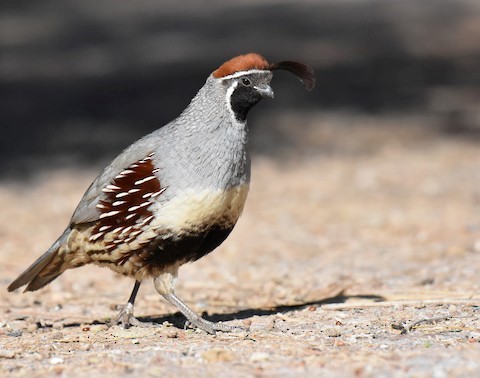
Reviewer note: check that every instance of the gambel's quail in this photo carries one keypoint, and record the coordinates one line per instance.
(174, 195)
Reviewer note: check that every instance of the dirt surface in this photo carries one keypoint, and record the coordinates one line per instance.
(357, 255)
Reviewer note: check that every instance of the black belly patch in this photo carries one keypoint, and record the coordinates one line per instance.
(187, 247)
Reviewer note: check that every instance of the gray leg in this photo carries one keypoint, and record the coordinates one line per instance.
(125, 316)
(165, 286)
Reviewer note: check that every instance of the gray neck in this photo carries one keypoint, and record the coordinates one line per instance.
(208, 144)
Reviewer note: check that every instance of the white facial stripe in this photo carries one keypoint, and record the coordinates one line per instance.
(241, 73)
(230, 90)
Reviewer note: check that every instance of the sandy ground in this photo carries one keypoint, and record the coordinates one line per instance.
(357, 255)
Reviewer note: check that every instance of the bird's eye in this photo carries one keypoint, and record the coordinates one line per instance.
(246, 81)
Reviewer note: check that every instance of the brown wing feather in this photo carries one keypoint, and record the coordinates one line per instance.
(125, 206)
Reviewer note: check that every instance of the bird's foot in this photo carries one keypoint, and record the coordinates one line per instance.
(193, 319)
(211, 327)
(126, 319)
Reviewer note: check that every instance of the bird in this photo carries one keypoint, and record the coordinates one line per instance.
(172, 196)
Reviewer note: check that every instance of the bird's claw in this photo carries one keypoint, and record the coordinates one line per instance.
(126, 319)
(211, 327)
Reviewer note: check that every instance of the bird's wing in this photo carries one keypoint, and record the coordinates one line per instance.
(87, 210)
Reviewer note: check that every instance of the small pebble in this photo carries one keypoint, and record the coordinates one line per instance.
(36, 356)
(56, 360)
(58, 369)
(85, 347)
(332, 332)
(5, 353)
(172, 334)
(217, 355)
(15, 333)
(58, 325)
(57, 335)
(247, 323)
(259, 357)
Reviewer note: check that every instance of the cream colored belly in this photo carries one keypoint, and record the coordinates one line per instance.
(195, 209)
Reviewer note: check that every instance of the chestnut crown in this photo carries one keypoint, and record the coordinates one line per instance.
(253, 61)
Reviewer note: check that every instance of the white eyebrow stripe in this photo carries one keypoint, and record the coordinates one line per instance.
(242, 73)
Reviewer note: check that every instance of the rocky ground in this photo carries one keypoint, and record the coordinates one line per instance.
(357, 255)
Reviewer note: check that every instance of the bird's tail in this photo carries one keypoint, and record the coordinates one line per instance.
(45, 269)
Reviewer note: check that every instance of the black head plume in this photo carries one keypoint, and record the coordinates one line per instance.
(303, 71)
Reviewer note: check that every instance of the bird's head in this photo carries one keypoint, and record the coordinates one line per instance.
(246, 80)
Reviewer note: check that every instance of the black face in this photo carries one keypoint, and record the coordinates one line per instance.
(245, 95)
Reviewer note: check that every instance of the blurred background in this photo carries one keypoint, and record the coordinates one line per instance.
(366, 189)
(80, 80)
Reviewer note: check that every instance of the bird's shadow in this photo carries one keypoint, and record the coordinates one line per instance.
(178, 320)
